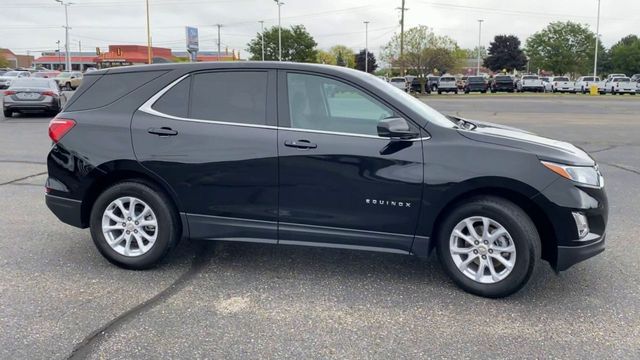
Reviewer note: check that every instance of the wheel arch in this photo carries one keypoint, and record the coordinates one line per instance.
(518, 193)
(114, 172)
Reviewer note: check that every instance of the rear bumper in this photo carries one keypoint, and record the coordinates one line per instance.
(69, 211)
(571, 255)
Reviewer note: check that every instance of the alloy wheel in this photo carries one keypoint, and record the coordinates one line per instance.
(130, 226)
(482, 249)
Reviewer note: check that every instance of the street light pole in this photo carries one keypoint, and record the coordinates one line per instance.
(479, 42)
(149, 56)
(67, 57)
(366, 46)
(595, 58)
(218, 25)
(279, 3)
(59, 59)
(262, 36)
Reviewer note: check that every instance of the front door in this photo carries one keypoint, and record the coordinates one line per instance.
(340, 183)
(212, 139)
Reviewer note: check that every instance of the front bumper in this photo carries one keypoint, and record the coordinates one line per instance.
(69, 211)
(570, 255)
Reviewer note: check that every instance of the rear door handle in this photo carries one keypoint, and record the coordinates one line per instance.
(300, 144)
(163, 131)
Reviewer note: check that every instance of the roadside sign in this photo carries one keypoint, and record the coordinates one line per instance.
(192, 38)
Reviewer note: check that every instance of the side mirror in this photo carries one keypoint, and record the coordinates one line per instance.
(396, 128)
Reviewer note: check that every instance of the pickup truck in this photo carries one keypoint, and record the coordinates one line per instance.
(530, 83)
(620, 85)
(562, 84)
(583, 83)
(502, 83)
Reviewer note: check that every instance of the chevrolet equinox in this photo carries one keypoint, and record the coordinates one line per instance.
(315, 155)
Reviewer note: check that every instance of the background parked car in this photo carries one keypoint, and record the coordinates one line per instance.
(546, 81)
(476, 84)
(31, 94)
(69, 80)
(399, 82)
(583, 83)
(562, 84)
(447, 84)
(415, 85)
(530, 83)
(502, 83)
(620, 85)
(432, 82)
(9, 76)
(461, 82)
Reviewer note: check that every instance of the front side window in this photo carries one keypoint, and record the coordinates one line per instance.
(230, 96)
(319, 103)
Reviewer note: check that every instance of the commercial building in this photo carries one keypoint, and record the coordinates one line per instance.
(16, 61)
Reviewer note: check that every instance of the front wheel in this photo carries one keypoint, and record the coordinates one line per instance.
(489, 246)
(133, 225)
(7, 113)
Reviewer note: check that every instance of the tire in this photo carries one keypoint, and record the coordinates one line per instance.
(7, 113)
(67, 86)
(523, 237)
(167, 229)
(439, 92)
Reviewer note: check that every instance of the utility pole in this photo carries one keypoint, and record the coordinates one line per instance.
(149, 56)
(595, 59)
(67, 57)
(402, 10)
(218, 25)
(279, 3)
(479, 42)
(262, 36)
(366, 46)
(59, 55)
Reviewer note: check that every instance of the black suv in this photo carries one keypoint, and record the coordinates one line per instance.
(314, 155)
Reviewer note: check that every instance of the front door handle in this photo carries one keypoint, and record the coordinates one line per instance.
(300, 144)
(163, 131)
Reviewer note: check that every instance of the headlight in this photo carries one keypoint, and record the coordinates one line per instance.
(587, 175)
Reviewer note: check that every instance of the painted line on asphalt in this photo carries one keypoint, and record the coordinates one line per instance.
(84, 348)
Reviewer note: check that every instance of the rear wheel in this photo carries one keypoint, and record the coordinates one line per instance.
(133, 225)
(489, 246)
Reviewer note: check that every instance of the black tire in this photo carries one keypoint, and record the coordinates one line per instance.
(7, 113)
(169, 225)
(439, 92)
(520, 227)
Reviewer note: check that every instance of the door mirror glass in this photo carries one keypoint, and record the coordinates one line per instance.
(396, 128)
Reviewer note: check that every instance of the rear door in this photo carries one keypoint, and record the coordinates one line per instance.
(212, 138)
(340, 183)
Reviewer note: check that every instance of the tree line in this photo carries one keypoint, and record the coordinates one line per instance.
(560, 48)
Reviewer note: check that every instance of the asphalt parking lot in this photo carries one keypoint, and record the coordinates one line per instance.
(59, 298)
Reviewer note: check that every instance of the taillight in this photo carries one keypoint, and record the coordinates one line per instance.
(9, 92)
(48, 93)
(59, 128)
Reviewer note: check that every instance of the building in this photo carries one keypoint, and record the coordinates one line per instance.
(210, 55)
(122, 55)
(55, 60)
(16, 61)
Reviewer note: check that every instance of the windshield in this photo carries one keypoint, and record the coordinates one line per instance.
(424, 110)
(447, 79)
(11, 74)
(64, 75)
(398, 80)
(622, 79)
(476, 79)
(530, 77)
(561, 79)
(503, 78)
(32, 83)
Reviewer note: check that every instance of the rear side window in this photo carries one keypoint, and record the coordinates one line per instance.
(109, 88)
(230, 96)
(175, 101)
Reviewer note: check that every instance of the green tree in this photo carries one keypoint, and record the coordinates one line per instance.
(424, 52)
(325, 57)
(505, 53)
(625, 55)
(297, 45)
(562, 47)
(371, 64)
(344, 56)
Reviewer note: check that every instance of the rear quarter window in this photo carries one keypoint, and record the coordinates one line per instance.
(103, 89)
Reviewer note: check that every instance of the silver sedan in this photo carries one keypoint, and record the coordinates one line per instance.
(31, 94)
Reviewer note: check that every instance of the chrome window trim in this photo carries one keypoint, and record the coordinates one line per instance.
(147, 107)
